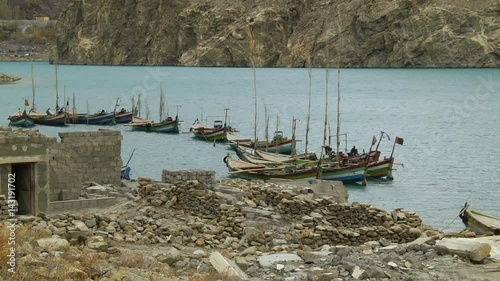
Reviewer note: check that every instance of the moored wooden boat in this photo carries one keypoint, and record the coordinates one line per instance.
(380, 169)
(43, 119)
(215, 133)
(21, 119)
(218, 132)
(123, 117)
(279, 144)
(252, 158)
(249, 171)
(168, 125)
(259, 168)
(210, 134)
(345, 174)
(93, 119)
(479, 223)
(49, 120)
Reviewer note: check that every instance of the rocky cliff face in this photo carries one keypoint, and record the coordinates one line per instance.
(288, 33)
(29, 9)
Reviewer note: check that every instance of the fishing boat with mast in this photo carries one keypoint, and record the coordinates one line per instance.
(267, 168)
(123, 116)
(279, 143)
(21, 118)
(377, 168)
(167, 125)
(338, 169)
(58, 118)
(212, 134)
(99, 118)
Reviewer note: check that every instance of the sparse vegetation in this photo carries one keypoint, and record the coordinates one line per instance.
(38, 34)
(7, 12)
(79, 263)
(7, 30)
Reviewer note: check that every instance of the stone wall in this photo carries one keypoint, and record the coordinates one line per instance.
(85, 156)
(207, 177)
(319, 221)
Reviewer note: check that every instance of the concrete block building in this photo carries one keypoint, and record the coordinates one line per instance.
(49, 171)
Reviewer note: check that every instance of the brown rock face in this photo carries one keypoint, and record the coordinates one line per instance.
(284, 33)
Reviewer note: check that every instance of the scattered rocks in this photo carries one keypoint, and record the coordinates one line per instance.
(292, 237)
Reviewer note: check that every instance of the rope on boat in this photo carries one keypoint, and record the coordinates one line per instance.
(450, 223)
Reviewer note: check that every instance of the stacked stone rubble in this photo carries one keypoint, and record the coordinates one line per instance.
(206, 177)
(187, 213)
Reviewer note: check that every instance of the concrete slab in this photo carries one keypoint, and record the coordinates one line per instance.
(493, 241)
(464, 247)
(269, 260)
(225, 265)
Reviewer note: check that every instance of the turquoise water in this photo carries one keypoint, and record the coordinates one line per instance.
(447, 117)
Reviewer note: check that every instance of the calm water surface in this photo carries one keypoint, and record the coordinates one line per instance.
(447, 117)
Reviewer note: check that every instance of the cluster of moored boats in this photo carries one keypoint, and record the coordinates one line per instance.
(269, 159)
(278, 159)
(64, 117)
(254, 162)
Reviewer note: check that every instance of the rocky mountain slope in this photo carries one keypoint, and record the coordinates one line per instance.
(29, 9)
(284, 33)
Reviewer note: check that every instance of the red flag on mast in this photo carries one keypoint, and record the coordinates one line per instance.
(399, 140)
(26, 102)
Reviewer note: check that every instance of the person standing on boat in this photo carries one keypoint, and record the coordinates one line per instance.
(354, 151)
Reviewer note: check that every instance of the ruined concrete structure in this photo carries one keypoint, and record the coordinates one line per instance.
(90, 156)
(48, 171)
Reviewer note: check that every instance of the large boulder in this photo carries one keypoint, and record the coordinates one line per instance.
(53, 244)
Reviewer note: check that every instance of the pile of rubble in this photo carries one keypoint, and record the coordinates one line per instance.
(254, 231)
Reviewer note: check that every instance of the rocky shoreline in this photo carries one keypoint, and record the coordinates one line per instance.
(249, 230)
(24, 52)
(7, 79)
